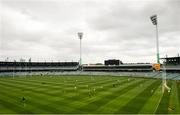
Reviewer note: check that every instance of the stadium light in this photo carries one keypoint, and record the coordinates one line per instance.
(80, 35)
(164, 83)
(154, 21)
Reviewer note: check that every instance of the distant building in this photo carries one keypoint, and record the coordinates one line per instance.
(112, 62)
(171, 60)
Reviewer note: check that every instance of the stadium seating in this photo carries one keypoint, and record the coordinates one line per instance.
(122, 68)
(38, 66)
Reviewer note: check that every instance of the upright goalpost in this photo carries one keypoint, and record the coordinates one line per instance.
(164, 83)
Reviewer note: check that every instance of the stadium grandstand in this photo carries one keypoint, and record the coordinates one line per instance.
(72, 68)
(109, 66)
(171, 60)
(113, 67)
(171, 64)
(37, 66)
(121, 68)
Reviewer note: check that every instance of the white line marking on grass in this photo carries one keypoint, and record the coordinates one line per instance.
(146, 109)
(158, 103)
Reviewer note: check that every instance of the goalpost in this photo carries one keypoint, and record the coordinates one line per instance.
(164, 83)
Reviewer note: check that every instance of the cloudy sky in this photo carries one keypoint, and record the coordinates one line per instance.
(113, 29)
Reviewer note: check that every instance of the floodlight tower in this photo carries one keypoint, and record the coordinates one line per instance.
(154, 21)
(164, 83)
(80, 35)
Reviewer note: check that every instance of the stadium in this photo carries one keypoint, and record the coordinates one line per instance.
(66, 88)
(116, 86)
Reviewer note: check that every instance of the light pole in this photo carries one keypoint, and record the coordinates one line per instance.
(164, 83)
(80, 35)
(154, 21)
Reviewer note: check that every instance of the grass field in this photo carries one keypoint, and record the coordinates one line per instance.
(87, 94)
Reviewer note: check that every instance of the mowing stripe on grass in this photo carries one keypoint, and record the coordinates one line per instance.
(120, 101)
(153, 101)
(82, 98)
(5, 110)
(42, 97)
(10, 103)
(79, 99)
(26, 88)
(99, 94)
(17, 96)
(135, 105)
(73, 99)
(178, 90)
(108, 89)
(164, 103)
(42, 87)
(48, 88)
(174, 106)
(106, 85)
(54, 81)
(41, 102)
(178, 93)
(39, 87)
(46, 85)
(49, 98)
(93, 106)
(19, 87)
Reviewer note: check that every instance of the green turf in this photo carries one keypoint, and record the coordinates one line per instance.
(87, 94)
(164, 103)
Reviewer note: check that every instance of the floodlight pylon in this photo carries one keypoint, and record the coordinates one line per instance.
(80, 35)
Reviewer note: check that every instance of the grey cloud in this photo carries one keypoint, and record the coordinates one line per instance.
(130, 22)
(112, 29)
(131, 27)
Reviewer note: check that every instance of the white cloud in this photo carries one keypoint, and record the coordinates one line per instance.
(46, 30)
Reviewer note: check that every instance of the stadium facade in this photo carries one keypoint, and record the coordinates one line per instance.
(69, 66)
(38, 66)
(171, 64)
(172, 60)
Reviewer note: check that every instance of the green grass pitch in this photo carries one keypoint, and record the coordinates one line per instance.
(87, 95)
